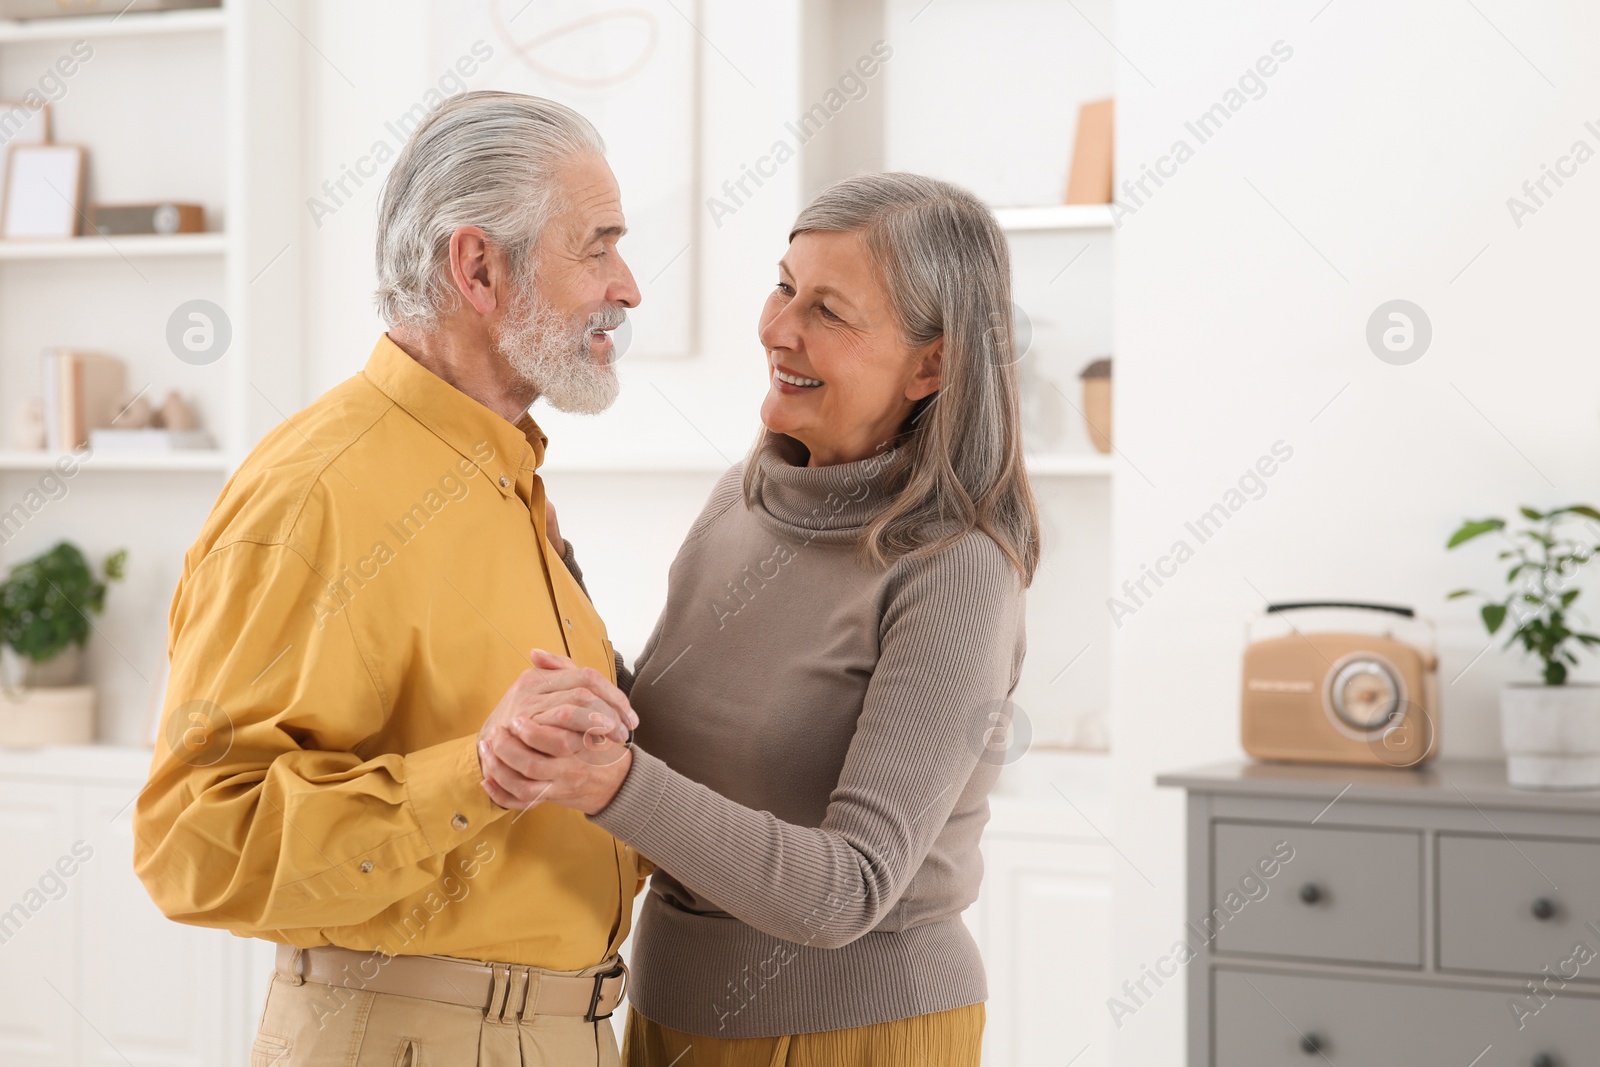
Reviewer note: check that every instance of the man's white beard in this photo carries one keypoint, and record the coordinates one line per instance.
(553, 355)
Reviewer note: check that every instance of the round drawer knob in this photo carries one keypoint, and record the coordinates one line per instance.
(1311, 892)
(1311, 1044)
(1544, 908)
(1544, 1059)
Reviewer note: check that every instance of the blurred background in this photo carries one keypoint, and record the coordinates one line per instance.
(1270, 178)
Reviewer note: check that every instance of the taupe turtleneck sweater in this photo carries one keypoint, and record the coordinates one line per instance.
(807, 772)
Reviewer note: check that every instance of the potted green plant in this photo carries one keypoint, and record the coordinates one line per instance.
(1550, 728)
(45, 606)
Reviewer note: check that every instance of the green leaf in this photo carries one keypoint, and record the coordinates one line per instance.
(1476, 528)
(1583, 509)
(1493, 616)
(1529, 513)
(1459, 593)
(1569, 596)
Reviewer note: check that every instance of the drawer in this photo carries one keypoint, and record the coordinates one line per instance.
(1349, 895)
(1267, 1020)
(1517, 905)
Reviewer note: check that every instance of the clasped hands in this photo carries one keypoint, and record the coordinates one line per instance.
(559, 734)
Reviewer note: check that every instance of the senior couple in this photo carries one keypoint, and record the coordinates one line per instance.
(400, 745)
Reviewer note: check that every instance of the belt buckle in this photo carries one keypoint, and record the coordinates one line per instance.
(594, 998)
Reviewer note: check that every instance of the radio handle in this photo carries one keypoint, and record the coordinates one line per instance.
(1296, 605)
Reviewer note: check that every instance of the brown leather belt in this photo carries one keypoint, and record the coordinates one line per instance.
(502, 991)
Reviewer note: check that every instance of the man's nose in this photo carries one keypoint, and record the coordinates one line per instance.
(623, 290)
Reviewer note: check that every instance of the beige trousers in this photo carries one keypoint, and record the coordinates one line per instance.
(310, 1025)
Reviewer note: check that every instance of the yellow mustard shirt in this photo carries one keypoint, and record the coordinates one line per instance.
(366, 588)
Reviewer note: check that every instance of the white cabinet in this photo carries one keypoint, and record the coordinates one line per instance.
(91, 973)
(37, 978)
(1043, 917)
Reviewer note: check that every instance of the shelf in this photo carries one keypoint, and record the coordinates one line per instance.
(1070, 466)
(1057, 217)
(100, 27)
(642, 464)
(1082, 465)
(209, 459)
(139, 246)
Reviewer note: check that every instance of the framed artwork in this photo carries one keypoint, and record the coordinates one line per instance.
(43, 191)
(21, 124)
(632, 68)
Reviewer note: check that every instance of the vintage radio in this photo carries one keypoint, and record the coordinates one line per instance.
(1363, 690)
(115, 220)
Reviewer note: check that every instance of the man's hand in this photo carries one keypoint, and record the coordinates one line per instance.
(521, 773)
(580, 699)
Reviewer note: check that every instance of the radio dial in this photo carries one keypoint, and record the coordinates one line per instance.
(1366, 693)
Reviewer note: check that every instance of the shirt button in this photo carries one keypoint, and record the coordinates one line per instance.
(366, 866)
(459, 822)
(504, 481)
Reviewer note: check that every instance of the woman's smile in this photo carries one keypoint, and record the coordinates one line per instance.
(789, 383)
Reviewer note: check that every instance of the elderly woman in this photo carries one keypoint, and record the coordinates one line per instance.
(843, 627)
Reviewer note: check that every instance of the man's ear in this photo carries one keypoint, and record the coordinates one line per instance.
(929, 375)
(476, 268)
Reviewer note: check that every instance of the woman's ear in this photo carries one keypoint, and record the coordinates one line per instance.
(929, 375)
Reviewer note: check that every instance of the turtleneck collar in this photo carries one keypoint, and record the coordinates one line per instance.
(829, 504)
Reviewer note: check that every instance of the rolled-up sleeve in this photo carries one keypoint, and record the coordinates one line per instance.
(260, 813)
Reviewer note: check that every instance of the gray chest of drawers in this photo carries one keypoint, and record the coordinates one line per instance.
(1356, 917)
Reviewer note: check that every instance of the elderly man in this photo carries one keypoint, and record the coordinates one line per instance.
(359, 611)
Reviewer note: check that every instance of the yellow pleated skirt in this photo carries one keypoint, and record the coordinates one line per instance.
(943, 1039)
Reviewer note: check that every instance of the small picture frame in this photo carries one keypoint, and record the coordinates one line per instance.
(43, 191)
(21, 123)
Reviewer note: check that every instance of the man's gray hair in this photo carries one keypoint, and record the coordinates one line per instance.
(485, 159)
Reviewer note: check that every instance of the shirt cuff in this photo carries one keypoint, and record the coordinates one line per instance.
(628, 815)
(445, 791)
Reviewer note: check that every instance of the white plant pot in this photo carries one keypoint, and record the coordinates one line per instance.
(64, 669)
(57, 715)
(1551, 735)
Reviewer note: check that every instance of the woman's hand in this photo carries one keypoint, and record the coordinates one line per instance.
(567, 753)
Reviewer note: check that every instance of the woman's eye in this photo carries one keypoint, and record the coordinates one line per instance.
(826, 312)
(786, 289)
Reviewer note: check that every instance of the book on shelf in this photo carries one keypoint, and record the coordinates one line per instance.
(81, 390)
(149, 442)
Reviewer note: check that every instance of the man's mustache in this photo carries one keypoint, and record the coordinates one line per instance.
(608, 318)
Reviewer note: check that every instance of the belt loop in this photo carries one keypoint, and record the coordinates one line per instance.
(517, 998)
(496, 1011)
(297, 967)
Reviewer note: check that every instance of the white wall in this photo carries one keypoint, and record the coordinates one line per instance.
(702, 411)
(1391, 141)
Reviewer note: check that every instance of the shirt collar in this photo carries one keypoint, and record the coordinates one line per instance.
(506, 453)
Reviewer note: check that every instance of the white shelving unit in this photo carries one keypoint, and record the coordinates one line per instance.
(200, 106)
(173, 246)
(102, 27)
(1055, 217)
(208, 459)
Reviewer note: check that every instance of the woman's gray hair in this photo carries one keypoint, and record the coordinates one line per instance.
(484, 159)
(944, 263)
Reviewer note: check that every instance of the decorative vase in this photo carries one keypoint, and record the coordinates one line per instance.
(1097, 403)
(40, 704)
(1551, 735)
